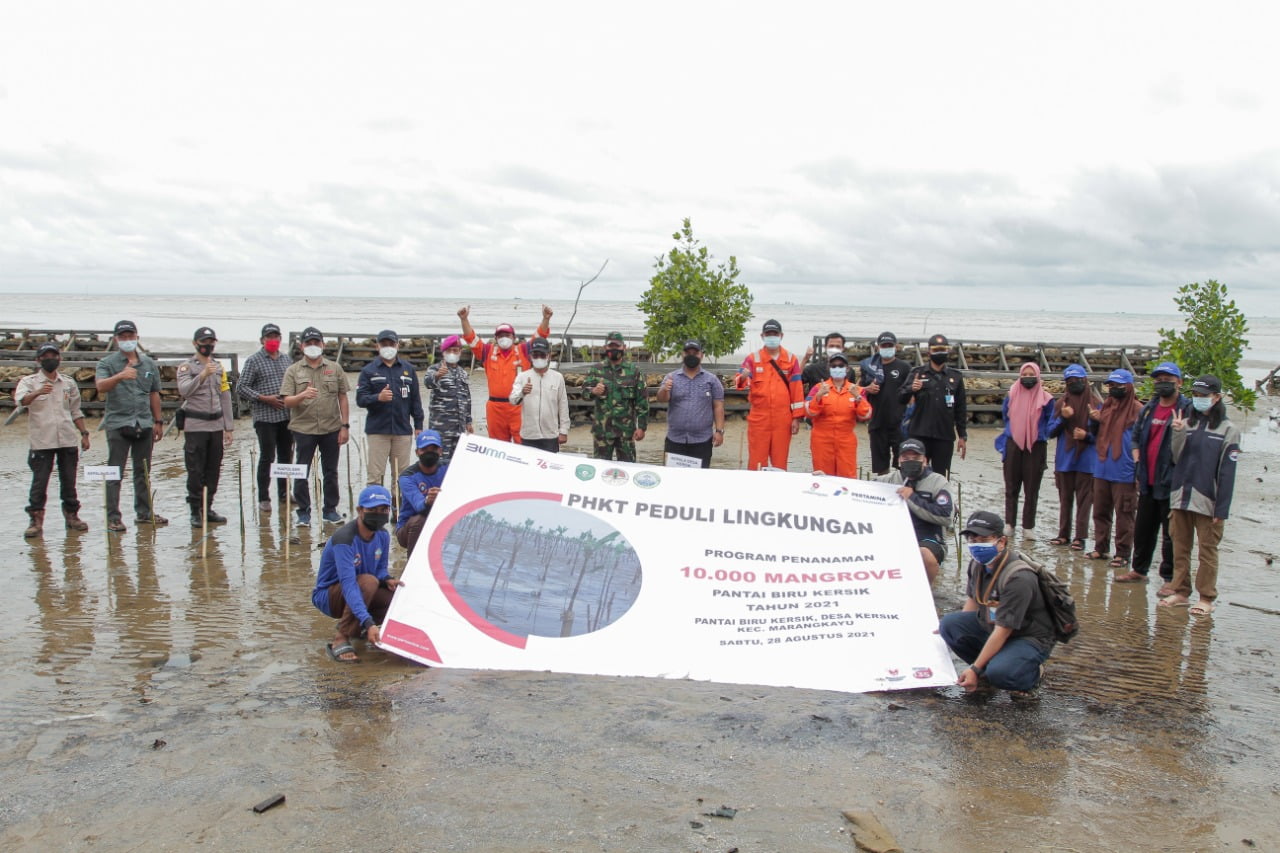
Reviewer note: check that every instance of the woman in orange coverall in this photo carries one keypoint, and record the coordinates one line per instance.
(835, 406)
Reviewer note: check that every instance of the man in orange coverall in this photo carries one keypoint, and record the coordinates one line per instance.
(836, 406)
(772, 379)
(502, 358)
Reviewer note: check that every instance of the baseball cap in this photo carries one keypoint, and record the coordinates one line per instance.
(1120, 376)
(505, 328)
(1073, 371)
(1207, 384)
(125, 326)
(269, 329)
(204, 332)
(771, 326)
(912, 445)
(311, 333)
(48, 346)
(982, 523)
(375, 496)
(939, 341)
(837, 356)
(1168, 367)
(388, 335)
(614, 336)
(692, 345)
(539, 345)
(887, 338)
(451, 341)
(429, 438)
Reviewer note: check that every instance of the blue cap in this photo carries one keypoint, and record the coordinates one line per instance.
(429, 437)
(1073, 371)
(374, 496)
(1120, 376)
(1168, 367)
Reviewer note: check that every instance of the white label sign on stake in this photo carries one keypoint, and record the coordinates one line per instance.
(679, 460)
(100, 473)
(283, 469)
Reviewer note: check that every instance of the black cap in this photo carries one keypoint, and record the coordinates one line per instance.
(887, 338)
(126, 326)
(269, 329)
(1207, 384)
(539, 345)
(204, 332)
(838, 356)
(939, 341)
(388, 335)
(982, 523)
(311, 333)
(912, 445)
(691, 344)
(772, 326)
(47, 346)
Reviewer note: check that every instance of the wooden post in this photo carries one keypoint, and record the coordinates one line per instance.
(288, 495)
(204, 521)
(240, 487)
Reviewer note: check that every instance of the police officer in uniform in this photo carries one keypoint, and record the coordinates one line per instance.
(941, 415)
(206, 408)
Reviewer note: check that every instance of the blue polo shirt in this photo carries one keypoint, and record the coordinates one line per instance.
(345, 556)
(691, 410)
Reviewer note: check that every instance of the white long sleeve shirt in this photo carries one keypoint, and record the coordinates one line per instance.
(544, 411)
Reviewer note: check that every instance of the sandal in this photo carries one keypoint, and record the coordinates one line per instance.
(1174, 600)
(1059, 540)
(1166, 590)
(1130, 577)
(1118, 562)
(1077, 544)
(1202, 608)
(1097, 555)
(344, 649)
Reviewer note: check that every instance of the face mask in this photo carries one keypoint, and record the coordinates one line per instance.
(1202, 404)
(505, 343)
(692, 361)
(772, 341)
(613, 354)
(983, 552)
(888, 352)
(1165, 389)
(834, 351)
(430, 458)
(271, 345)
(1076, 386)
(451, 357)
(313, 351)
(539, 364)
(205, 349)
(1118, 392)
(376, 520)
(49, 365)
(839, 372)
(127, 346)
(388, 353)
(912, 468)
(1028, 381)
(938, 357)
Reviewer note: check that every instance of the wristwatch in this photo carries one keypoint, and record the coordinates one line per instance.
(346, 426)
(719, 432)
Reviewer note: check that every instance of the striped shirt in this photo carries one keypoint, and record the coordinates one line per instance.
(262, 376)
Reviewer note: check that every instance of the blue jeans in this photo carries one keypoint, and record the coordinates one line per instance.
(1015, 667)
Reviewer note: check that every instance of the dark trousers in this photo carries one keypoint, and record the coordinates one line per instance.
(41, 462)
(1074, 487)
(1023, 471)
(1015, 667)
(306, 446)
(939, 451)
(697, 449)
(119, 449)
(550, 445)
(275, 442)
(202, 453)
(884, 449)
(1153, 515)
(1122, 499)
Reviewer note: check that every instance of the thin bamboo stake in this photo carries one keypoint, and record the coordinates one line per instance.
(204, 521)
(240, 487)
(288, 495)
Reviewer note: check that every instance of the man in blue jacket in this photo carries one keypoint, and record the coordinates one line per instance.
(1151, 450)
(388, 389)
(419, 487)
(352, 583)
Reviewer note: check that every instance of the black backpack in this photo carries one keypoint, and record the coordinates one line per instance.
(1057, 598)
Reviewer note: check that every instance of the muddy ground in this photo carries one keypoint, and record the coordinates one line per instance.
(153, 696)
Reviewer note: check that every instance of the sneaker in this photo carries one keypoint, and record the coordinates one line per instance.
(157, 520)
(216, 517)
(333, 517)
(304, 518)
(264, 506)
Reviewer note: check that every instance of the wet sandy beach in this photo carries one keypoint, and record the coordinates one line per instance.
(153, 697)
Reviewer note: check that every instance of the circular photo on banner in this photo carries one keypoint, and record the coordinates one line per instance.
(532, 567)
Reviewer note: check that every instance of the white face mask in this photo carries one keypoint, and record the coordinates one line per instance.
(388, 353)
(451, 357)
(772, 341)
(834, 351)
(313, 351)
(839, 372)
(888, 352)
(127, 346)
(539, 364)
(505, 343)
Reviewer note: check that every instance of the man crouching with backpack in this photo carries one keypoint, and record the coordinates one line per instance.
(1005, 631)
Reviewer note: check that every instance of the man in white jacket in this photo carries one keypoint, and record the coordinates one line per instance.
(544, 402)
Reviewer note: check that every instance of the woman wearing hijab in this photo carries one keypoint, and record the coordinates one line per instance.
(1074, 458)
(1115, 488)
(1206, 447)
(836, 406)
(1024, 445)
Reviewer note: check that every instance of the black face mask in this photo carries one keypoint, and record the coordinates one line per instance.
(49, 365)
(430, 459)
(376, 520)
(692, 361)
(1165, 389)
(613, 354)
(1028, 381)
(205, 349)
(1076, 386)
(911, 468)
(938, 357)
(1118, 392)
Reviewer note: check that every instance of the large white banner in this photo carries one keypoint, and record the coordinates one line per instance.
(537, 561)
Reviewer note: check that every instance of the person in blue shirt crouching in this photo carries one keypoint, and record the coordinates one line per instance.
(419, 486)
(352, 583)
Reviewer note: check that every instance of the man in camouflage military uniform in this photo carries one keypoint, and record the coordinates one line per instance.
(450, 407)
(621, 406)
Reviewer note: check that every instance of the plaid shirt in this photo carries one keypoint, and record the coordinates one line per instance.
(262, 375)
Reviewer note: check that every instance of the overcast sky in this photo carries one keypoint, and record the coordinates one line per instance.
(1097, 155)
